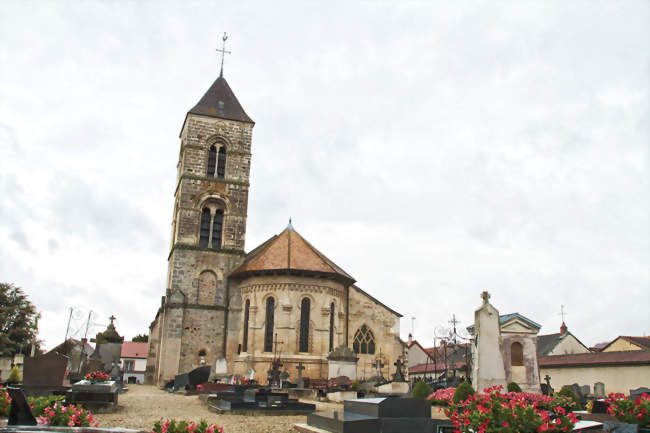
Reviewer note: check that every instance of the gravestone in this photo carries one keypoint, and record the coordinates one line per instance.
(373, 415)
(300, 381)
(342, 361)
(20, 413)
(274, 374)
(44, 374)
(198, 376)
(635, 393)
(108, 347)
(488, 368)
(97, 397)
(257, 401)
(585, 390)
(547, 389)
(599, 389)
(378, 366)
(399, 373)
(181, 381)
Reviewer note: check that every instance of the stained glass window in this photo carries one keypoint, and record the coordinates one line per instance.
(304, 325)
(246, 313)
(268, 331)
(364, 341)
(332, 326)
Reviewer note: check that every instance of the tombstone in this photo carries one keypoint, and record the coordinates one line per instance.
(284, 379)
(373, 415)
(300, 381)
(342, 361)
(599, 390)
(547, 389)
(487, 360)
(221, 367)
(181, 381)
(585, 390)
(399, 373)
(636, 393)
(378, 366)
(261, 401)
(19, 413)
(198, 376)
(274, 374)
(44, 374)
(618, 427)
(108, 347)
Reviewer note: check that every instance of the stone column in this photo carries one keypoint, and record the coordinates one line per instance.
(487, 359)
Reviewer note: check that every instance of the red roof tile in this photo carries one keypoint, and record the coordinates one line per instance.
(630, 357)
(131, 349)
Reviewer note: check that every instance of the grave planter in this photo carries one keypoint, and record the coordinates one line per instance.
(88, 386)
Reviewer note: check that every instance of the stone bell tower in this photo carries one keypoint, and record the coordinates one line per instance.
(208, 233)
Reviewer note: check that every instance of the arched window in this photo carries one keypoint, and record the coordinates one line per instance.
(268, 331)
(217, 225)
(332, 326)
(204, 238)
(212, 160)
(516, 354)
(221, 164)
(364, 341)
(304, 325)
(246, 313)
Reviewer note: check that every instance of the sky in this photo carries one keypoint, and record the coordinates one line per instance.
(433, 150)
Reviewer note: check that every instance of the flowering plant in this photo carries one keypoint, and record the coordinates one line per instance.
(61, 415)
(5, 403)
(199, 387)
(635, 411)
(97, 376)
(172, 426)
(240, 380)
(507, 413)
(38, 404)
(442, 396)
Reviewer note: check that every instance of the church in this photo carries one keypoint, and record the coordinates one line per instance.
(238, 311)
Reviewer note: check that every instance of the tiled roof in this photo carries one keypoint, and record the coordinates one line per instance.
(505, 317)
(440, 366)
(630, 357)
(643, 342)
(131, 349)
(220, 101)
(291, 253)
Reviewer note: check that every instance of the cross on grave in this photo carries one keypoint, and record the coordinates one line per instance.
(485, 296)
(300, 382)
(399, 375)
(379, 365)
(112, 318)
(223, 52)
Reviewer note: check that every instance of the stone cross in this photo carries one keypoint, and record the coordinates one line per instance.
(249, 363)
(112, 318)
(379, 365)
(486, 296)
(300, 382)
(399, 375)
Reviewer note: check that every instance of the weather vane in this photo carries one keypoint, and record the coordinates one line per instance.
(223, 51)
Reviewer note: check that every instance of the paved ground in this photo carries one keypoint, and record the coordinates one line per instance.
(143, 405)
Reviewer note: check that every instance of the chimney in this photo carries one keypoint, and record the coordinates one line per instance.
(410, 338)
(563, 329)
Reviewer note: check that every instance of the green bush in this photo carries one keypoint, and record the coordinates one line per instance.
(566, 391)
(355, 386)
(14, 375)
(38, 404)
(513, 387)
(421, 390)
(463, 391)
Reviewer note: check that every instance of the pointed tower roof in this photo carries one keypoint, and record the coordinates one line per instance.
(289, 253)
(220, 101)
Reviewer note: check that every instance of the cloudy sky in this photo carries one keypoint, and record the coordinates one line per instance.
(431, 149)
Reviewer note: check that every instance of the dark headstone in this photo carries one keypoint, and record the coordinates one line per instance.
(300, 381)
(399, 373)
(618, 427)
(634, 393)
(44, 372)
(181, 381)
(198, 376)
(599, 389)
(19, 413)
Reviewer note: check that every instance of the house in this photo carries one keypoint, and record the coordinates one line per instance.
(133, 361)
(624, 343)
(564, 343)
(435, 361)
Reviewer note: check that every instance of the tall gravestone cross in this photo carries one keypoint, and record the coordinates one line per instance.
(300, 382)
(486, 297)
(379, 365)
(399, 375)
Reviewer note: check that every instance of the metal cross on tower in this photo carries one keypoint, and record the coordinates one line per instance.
(223, 52)
(562, 312)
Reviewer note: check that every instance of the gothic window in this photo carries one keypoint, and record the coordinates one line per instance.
(516, 354)
(212, 161)
(204, 238)
(268, 329)
(217, 225)
(332, 326)
(246, 315)
(221, 163)
(304, 325)
(364, 341)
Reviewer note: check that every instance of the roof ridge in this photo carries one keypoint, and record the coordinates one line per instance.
(335, 268)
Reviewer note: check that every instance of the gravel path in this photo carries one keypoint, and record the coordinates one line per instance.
(143, 405)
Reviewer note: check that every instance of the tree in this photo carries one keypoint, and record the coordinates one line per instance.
(18, 321)
(141, 338)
